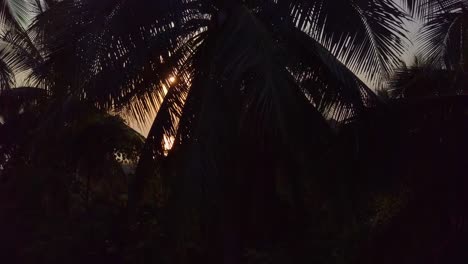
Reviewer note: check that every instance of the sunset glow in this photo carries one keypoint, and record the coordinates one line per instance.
(172, 80)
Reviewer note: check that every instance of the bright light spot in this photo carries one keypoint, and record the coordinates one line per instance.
(172, 79)
(168, 143)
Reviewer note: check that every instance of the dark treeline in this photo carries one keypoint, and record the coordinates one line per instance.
(264, 145)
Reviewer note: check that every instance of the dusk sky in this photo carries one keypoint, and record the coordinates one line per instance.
(412, 27)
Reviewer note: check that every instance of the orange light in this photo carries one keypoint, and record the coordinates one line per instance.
(172, 80)
(168, 142)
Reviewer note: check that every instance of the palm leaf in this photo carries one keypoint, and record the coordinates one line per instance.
(129, 62)
(423, 9)
(333, 88)
(426, 81)
(15, 13)
(24, 56)
(7, 77)
(443, 37)
(366, 35)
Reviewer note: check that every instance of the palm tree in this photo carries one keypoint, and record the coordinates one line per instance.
(425, 128)
(60, 156)
(426, 81)
(46, 109)
(439, 68)
(443, 36)
(254, 83)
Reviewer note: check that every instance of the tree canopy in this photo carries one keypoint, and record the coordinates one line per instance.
(264, 144)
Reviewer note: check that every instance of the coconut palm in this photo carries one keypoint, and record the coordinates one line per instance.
(60, 157)
(46, 110)
(426, 81)
(421, 157)
(14, 14)
(243, 88)
(443, 36)
(426, 125)
(440, 68)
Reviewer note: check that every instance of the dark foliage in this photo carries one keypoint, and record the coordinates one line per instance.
(264, 145)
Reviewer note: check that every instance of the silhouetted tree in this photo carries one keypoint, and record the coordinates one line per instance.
(241, 161)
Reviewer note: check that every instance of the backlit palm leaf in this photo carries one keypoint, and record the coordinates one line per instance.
(7, 78)
(15, 12)
(366, 34)
(444, 36)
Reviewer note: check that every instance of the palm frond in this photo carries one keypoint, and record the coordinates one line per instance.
(423, 9)
(15, 13)
(426, 81)
(148, 182)
(444, 36)
(367, 35)
(129, 62)
(335, 90)
(7, 77)
(24, 55)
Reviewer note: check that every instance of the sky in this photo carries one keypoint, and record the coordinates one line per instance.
(411, 26)
(408, 58)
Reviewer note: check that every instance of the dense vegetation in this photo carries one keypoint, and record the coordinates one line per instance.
(264, 146)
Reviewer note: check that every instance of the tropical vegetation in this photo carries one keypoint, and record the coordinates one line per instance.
(279, 131)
